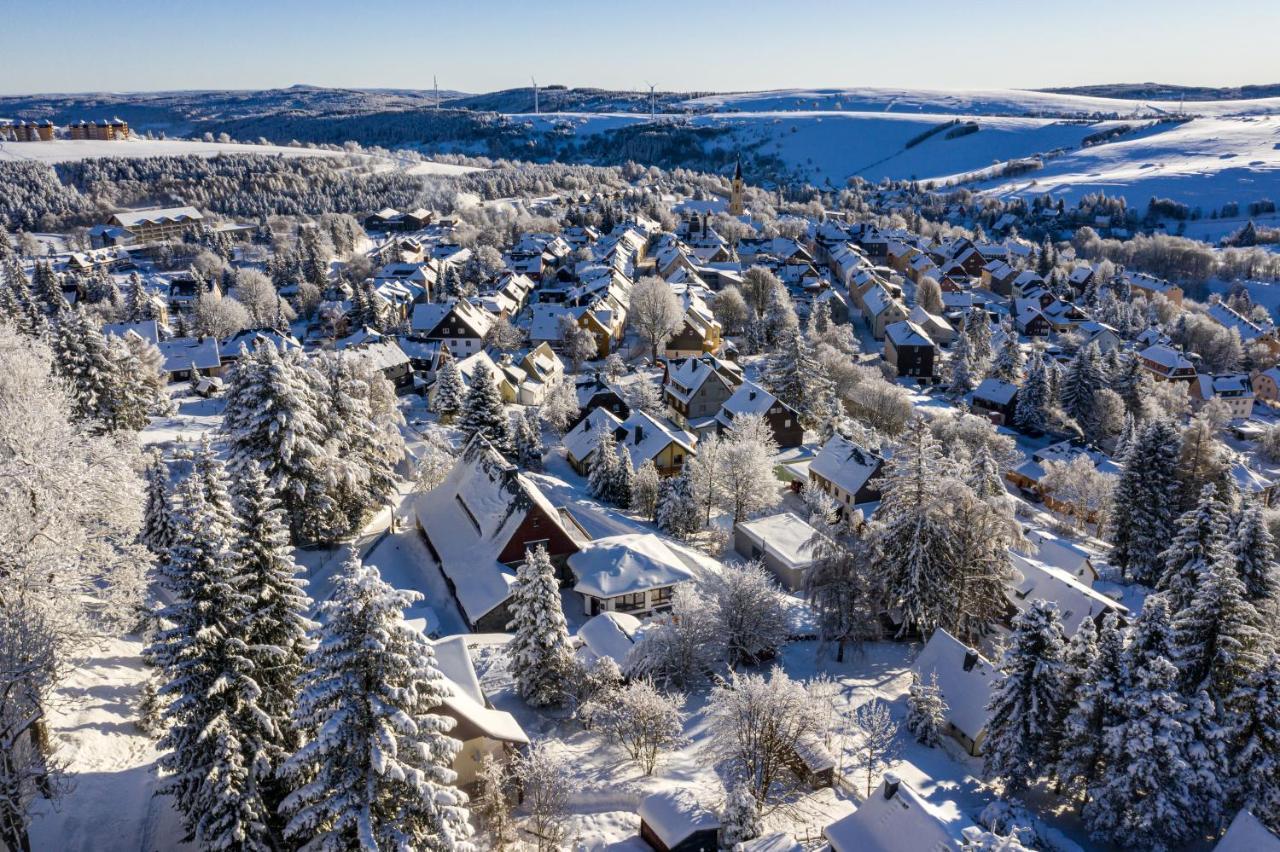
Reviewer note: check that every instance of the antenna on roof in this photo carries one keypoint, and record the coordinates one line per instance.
(536, 111)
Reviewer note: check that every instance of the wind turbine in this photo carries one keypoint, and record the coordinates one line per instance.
(652, 109)
(536, 111)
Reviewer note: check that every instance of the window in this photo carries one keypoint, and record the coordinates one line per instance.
(787, 423)
(629, 603)
(662, 596)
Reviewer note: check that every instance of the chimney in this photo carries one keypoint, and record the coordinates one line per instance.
(752, 395)
(891, 784)
(639, 433)
(970, 659)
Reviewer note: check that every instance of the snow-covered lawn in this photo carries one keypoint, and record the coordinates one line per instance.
(67, 150)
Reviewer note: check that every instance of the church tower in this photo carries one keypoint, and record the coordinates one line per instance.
(735, 198)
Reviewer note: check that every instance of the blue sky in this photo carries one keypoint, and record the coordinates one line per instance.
(77, 45)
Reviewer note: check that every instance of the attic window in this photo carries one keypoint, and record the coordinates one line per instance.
(467, 512)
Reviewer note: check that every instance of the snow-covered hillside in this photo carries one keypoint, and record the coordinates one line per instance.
(67, 150)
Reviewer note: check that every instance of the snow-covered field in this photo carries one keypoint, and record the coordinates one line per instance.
(67, 150)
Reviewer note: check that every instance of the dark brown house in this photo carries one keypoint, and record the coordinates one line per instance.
(750, 398)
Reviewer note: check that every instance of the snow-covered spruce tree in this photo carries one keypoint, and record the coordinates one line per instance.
(1095, 704)
(84, 361)
(1200, 544)
(741, 820)
(539, 651)
(981, 533)
(374, 770)
(1218, 637)
(1026, 709)
(219, 742)
(1009, 359)
(271, 421)
(961, 377)
(983, 475)
(361, 449)
(843, 594)
(749, 611)
(604, 463)
(1202, 460)
(1151, 635)
(528, 440)
(275, 623)
(913, 540)
(677, 513)
(1144, 521)
(1254, 551)
(644, 489)
(1256, 760)
(1081, 384)
(483, 413)
(158, 529)
(623, 479)
(448, 393)
(794, 375)
(1031, 413)
(977, 328)
(1149, 795)
(926, 710)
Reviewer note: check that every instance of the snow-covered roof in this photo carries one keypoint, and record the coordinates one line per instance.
(896, 818)
(1166, 357)
(181, 352)
(647, 436)
(581, 440)
(780, 842)
(157, 215)
(674, 815)
(785, 536)
(470, 518)
(383, 354)
(996, 391)
(1060, 553)
(1075, 600)
(148, 330)
(625, 564)
(1248, 834)
(466, 701)
(966, 690)
(845, 464)
(609, 634)
(907, 333)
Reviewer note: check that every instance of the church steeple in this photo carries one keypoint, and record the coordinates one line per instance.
(735, 198)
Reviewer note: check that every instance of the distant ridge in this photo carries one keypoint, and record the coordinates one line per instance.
(1170, 92)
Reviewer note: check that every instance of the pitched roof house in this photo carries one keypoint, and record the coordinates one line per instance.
(633, 573)
(896, 818)
(479, 522)
(965, 680)
(750, 398)
(844, 470)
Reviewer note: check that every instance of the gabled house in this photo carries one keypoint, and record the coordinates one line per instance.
(1062, 554)
(1233, 389)
(779, 541)
(457, 322)
(695, 390)
(1247, 833)
(909, 349)
(1167, 364)
(936, 327)
(1076, 601)
(645, 439)
(633, 573)
(542, 368)
(750, 398)
(896, 818)
(843, 470)
(594, 392)
(996, 399)
(478, 525)
(965, 680)
(185, 356)
(882, 310)
(675, 821)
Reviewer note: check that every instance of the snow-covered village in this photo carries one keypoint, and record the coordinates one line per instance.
(868, 470)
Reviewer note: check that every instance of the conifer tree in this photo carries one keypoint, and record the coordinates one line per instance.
(539, 651)
(977, 328)
(1254, 551)
(216, 747)
(741, 821)
(158, 529)
(271, 420)
(1199, 545)
(677, 512)
(375, 768)
(448, 393)
(1083, 379)
(83, 359)
(1150, 795)
(794, 375)
(1217, 635)
(962, 378)
(604, 464)
(1024, 716)
(1152, 634)
(528, 440)
(926, 710)
(1031, 413)
(1095, 703)
(275, 623)
(623, 479)
(1008, 360)
(483, 413)
(138, 307)
(1257, 759)
(1146, 493)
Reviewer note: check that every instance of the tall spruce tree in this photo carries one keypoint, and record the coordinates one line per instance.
(1146, 495)
(1024, 716)
(1217, 635)
(539, 650)
(483, 413)
(1254, 551)
(795, 376)
(1199, 545)
(1080, 385)
(216, 746)
(159, 532)
(448, 394)
(1031, 412)
(604, 464)
(1095, 704)
(528, 440)
(1256, 760)
(374, 772)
